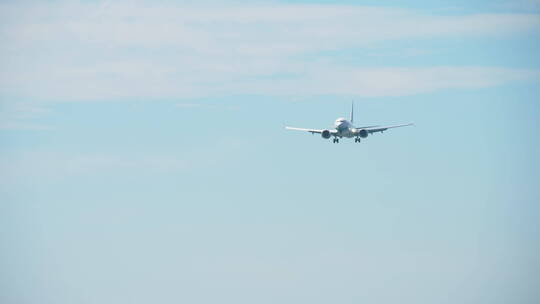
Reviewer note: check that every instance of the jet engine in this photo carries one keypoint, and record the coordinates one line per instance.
(325, 134)
(363, 133)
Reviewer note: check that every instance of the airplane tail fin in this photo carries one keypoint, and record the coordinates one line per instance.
(352, 112)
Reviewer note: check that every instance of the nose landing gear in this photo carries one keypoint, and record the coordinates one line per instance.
(336, 140)
(357, 140)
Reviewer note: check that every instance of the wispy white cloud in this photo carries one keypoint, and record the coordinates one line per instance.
(53, 164)
(21, 116)
(108, 50)
(396, 81)
(189, 105)
(24, 126)
(59, 165)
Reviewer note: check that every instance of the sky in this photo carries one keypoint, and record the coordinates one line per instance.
(143, 155)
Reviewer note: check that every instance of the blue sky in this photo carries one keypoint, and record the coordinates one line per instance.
(143, 156)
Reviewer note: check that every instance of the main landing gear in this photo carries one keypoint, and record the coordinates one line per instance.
(336, 140)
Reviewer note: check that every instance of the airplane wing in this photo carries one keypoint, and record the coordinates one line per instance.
(366, 127)
(384, 128)
(312, 131)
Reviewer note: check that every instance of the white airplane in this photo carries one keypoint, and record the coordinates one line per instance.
(345, 128)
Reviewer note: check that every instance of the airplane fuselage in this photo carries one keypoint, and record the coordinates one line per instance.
(345, 128)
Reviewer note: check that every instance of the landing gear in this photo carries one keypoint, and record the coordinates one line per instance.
(336, 140)
(357, 139)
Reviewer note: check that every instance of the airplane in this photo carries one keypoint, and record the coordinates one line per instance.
(345, 128)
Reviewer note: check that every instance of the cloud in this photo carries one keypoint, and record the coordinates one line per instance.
(45, 165)
(373, 82)
(56, 164)
(188, 105)
(24, 126)
(115, 50)
(21, 116)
